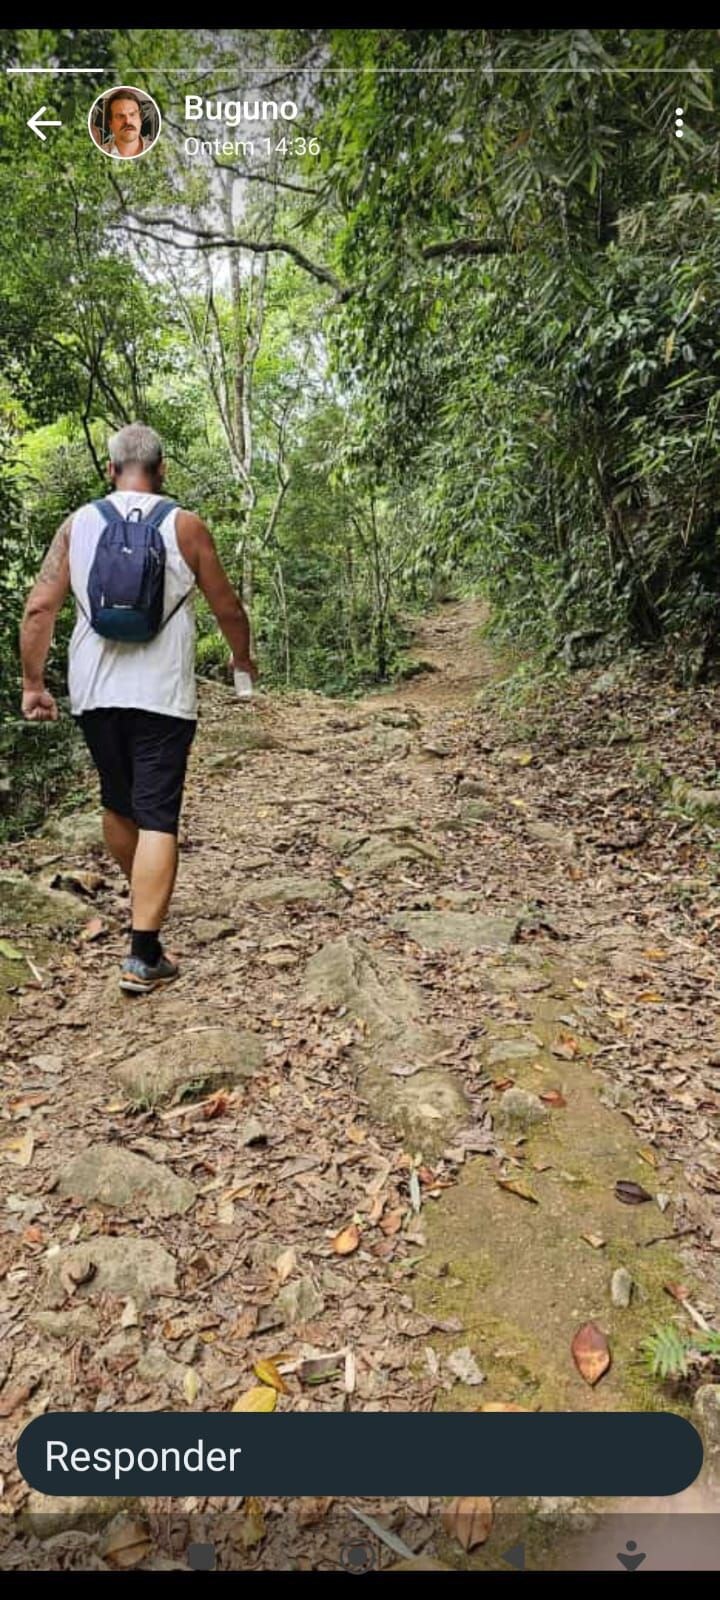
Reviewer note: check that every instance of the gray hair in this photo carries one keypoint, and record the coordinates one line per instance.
(135, 446)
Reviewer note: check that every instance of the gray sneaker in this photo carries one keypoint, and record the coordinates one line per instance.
(138, 977)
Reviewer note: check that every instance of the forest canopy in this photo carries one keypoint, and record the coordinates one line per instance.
(455, 323)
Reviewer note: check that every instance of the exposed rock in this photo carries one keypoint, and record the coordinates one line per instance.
(519, 1110)
(66, 1324)
(125, 1266)
(427, 1105)
(48, 1514)
(621, 1288)
(380, 854)
(457, 930)
(156, 1366)
(300, 1301)
(559, 839)
(207, 1058)
(705, 802)
(207, 930)
(77, 832)
(505, 1052)
(339, 839)
(25, 903)
(116, 1177)
(477, 811)
(253, 1132)
(706, 1415)
(513, 978)
(427, 1108)
(283, 891)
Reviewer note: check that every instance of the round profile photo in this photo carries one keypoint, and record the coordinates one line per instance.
(124, 122)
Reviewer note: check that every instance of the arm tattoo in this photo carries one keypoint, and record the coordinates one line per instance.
(57, 556)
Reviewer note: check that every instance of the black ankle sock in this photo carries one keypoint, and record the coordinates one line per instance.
(147, 947)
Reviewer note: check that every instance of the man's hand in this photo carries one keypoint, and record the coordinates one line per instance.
(244, 664)
(38, 705)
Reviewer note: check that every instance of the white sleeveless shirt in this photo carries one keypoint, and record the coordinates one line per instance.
(157, 676)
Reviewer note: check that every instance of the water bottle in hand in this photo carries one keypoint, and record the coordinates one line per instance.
(243, 684)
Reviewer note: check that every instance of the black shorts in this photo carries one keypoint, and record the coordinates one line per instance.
(141, 757)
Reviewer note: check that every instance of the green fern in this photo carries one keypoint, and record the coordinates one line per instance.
(668, 1353)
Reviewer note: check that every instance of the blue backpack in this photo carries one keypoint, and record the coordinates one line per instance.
(126, 585)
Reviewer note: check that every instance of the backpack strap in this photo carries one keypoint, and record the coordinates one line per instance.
(107, 510)
(160, 512)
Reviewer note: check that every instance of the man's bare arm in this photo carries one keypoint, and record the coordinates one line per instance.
(46, 598)
(198, 549)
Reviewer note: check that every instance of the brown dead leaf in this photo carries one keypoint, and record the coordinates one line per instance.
(591, 1352)
(502, 1405)
(310, 1509)
(631, 1194)
(515, 1186)
(244, 1324)
(10, 1399)
(252, 1527)
(653, 954)
(94, 929)
(648, 1155)
(392, 1222)
(376, 1210)
(285, 1264)
(650, 997)
(18, 1152)
(594, 1239)
(554, 1098)
(566, 1046)
(347, 1240)
(502, 1083)
(73, 1274)
(216, 1105)
(469, 1519)
(318, 1369)
(267, 1372)
(257, 1399)
(677, 1290)
(127, 1545)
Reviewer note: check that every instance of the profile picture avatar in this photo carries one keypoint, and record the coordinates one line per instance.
(124, 122)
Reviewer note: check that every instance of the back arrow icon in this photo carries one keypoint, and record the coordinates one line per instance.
(37, 124)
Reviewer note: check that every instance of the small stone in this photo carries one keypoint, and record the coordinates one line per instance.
(118, 1178)
(253, 1132)
(300, 1301)
(505, 1052)
(518, 1109)
(156, 1366)
(48, 1514)
(124, 1266)
(477, 811)
(283, 891)
(66, 1324)
(621, 1288)
(463, 1366)
(457, 930)
(208, 930)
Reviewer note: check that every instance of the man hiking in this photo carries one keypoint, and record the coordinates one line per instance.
(132, 562)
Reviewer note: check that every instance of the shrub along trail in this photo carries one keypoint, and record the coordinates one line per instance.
(450, 975)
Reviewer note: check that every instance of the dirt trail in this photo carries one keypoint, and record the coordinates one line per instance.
(398, 930)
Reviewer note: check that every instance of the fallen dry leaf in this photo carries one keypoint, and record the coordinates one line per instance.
(92, 930)
(469, 1519)
(191, 1385)
(566, 1046)
(310, 1509)
(347, 1240)
(515, 1186)
(554, 1098)
(318, 1369)
(267, 1372)
(18, 1152)
(594, 1239)
(631, 1194)
(258, 1399)
(285, 1264)
(216, 1105)
(10, 1399)
(590, 1352)
(127, 1545)
(502, 1405)
(648, 1155)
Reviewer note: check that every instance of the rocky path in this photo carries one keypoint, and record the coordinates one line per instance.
(442, 993)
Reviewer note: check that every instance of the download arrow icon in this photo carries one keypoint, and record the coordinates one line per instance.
(37, 124)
